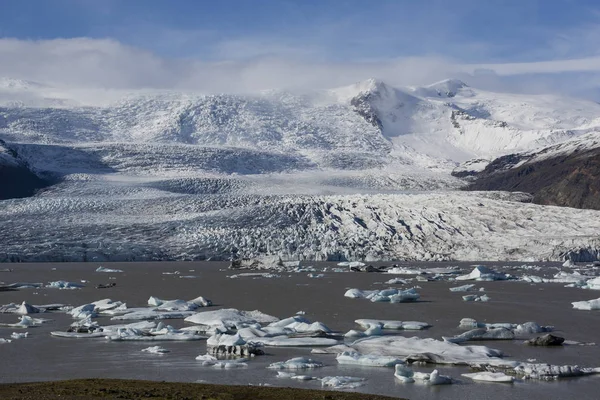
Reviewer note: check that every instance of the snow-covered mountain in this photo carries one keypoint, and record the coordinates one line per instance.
(184, 175)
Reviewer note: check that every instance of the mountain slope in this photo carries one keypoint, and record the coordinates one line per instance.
(564, 175)
(16, 179)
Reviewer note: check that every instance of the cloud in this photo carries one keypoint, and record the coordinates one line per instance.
(109, 64)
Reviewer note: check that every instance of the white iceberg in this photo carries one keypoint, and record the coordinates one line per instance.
(482, 334)
(368, 360)
(392, 325)
(133, 334)
(432, 378)
(551, 372)
(110, 270)
(342, 382)
(386, 295)
(481, 273)
(64, 285)
(463, 288)
(296, 363)
(404, 373)
(475, 297)
(587, 305)
(150, 314)
(19, 335)
(427, 350)
(487, 376)
(593, 284)
(155, 350)
(230, 318)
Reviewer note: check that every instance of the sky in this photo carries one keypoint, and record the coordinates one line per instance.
(244, 45)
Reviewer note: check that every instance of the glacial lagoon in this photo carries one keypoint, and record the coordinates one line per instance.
(536, 292)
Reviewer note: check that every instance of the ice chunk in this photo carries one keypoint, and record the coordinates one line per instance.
(284, 341)
(433, 378)
(389, 324)
(481, 273)
(84, 311)
(429, 350)
(133, 334)
(109, 270)
(296, 363)
(65, 285)
(587, 305)
(551, 372)
(19, 335)
(386, 295)
(464, 288)
(475, 297)
(155, 350)
(24, 285)
(369, 360)
(482, 334)
(404, 373)
(593, 284)
(486, 376)
(342, 382)
(230, 318)
(150, 314)
(2, 341)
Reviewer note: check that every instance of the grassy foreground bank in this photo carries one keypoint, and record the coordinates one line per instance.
(84, 389)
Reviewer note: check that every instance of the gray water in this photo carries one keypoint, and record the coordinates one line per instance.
(42, 357)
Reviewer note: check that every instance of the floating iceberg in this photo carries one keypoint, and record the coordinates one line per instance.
(474, 297)
(551, 372)
(432, 378)
(386, 295)
(64, 285)
(110, 270)
(427, 350)
(22, 309)
(481, 273)
(150, 314)
(593, 284)
(396, 325)
(133, 334)
(464, 288)
(342, 382)
(490, 377)
(296, 363)
(230, 318)
(587, 305)
(482, 334)
(24, 285)
(155, 350)
(19, 335)
(519, 329)
(225, 344)
(368, 360)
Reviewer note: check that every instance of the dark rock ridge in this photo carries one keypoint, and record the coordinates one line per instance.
(16, 179)
(570, 180)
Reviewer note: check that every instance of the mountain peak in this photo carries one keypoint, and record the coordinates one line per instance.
(447, 87)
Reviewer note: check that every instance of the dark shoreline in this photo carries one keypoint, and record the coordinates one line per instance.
(83, 389)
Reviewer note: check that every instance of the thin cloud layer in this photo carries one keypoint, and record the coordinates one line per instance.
(109, 64)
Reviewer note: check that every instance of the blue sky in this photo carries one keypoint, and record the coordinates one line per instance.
(158, 43)
(467, 30)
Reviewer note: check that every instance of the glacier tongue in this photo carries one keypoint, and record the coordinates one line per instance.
(424, 226)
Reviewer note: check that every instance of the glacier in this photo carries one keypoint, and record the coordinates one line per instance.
(362, 172)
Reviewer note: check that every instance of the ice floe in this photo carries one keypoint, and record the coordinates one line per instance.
(368, 360)
(155, 350)
(463, 288)
(519, 329)
(230, 318)
(482, 334)
(393, 325)
(22, 309)
(64, 285)
(487, 376)
(19, 335)
(296, 363)
(386, 295)
(342, 382)
(109, 270)
(405, 374)
(427, 350)
(481, 273)
(587, 305)
(134, 334)
(551, 372)
(475, 297)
